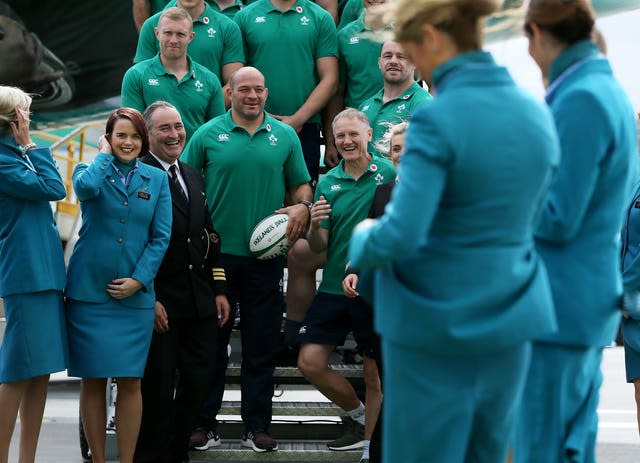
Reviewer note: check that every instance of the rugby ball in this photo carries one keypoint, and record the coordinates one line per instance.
(268, 239)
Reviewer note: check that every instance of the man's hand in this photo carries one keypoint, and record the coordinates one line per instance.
(331, 157)
(291, 121)
(161, 321)
(223, 307)
(349, 285)
(298, 220)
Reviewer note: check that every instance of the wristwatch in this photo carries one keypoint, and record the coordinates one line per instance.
(27, 147)
(309, 204)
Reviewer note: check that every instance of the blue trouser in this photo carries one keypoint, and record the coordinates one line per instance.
(557, 421)
(256, 286)
(450, 409)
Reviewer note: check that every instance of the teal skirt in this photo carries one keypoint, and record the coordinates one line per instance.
(35, 336)
(108, 340)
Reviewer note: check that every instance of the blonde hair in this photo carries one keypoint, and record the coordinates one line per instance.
(10, 97)
(384, 144)
(459, 18)
(351, 113)
(175, 13)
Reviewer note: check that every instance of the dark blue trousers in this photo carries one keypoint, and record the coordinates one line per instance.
(256, 287)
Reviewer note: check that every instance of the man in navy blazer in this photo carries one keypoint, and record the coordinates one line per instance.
(190, 302)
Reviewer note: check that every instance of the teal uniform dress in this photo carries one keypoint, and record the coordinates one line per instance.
(32, 273)
(459, 289)
(631, 281)
(125, 232)
(578, 239)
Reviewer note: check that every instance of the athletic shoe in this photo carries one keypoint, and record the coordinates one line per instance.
(259, 441)
(203, 439)
(352, 439)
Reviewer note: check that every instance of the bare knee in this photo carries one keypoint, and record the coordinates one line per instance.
(128, 385)
(311, 364)
(371, 376)
(302, 260)
(636, 386)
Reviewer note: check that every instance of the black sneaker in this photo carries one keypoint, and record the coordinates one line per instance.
(352, 439)
(259, 441)
(203, 439)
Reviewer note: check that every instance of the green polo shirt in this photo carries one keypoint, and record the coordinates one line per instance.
(358, 59)
(230, 11)
(217, 41)
(381, 115)
(350, 201)
(284, 46)
(245, 176)
(352, 10)
(198, 96)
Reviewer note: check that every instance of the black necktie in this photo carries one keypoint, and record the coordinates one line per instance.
(173, 171)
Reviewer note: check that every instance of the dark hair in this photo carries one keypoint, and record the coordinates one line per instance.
(568, 21)
(136, 119)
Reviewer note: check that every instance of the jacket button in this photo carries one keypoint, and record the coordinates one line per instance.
(120, 240)
(188, 240)
(125, 203)
(121, 219)
(190, 267)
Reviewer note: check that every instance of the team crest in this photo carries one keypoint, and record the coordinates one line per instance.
(211, 31)
(199, 85)
(401, 108)
(379, 178)
(273, 140)
(304, 21)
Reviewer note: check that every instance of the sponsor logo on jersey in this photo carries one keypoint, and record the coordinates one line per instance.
(373, 167)
(268, 127)
(354, 39)
(211, 31)
(154, 82)
(205, 20)
(199, 86)
(223, 137)
(299, 9)
(260, 19)
(336, 187)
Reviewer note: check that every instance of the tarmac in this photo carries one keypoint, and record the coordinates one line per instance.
(618, 440)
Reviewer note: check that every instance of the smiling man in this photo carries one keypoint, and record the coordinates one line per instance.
(173, 76)
(399, 96)
(249, 160)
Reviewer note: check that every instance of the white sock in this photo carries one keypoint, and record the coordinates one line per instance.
(365, 451)
(357, 414)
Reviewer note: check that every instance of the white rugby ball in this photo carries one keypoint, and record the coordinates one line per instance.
(268, 239)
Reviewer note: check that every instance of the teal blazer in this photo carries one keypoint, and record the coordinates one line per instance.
(582, 216)
(31, 257)
(631, 270)
(125, 231)
(458, 271)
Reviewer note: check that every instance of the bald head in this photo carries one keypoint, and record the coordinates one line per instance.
(243, 74)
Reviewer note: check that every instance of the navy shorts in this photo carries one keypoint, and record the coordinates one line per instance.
(332, 316)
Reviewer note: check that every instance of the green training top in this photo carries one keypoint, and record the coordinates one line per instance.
(352, 10)
(217, 41)
(350, 201)
(381, 115)
(284, 46)
(198, 96)
(358, 61)
(245, 176)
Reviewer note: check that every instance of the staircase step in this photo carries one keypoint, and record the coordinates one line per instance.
(291, 375)
(289, 451)
(298, 409)
(303, 428)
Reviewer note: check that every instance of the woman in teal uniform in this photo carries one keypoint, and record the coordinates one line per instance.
(577, 237)
(126, 214)
(32, 276)
(459, 288)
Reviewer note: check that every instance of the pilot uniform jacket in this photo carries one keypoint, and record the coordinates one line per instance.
(580, 224)
(125, 231)
(187, 283)
(31, 258)
(458, 271)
